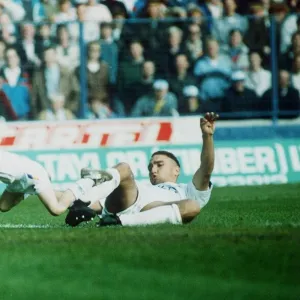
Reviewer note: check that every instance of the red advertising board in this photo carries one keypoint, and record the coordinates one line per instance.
(103, 133)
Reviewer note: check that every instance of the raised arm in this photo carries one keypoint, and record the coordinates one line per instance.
(202, 176)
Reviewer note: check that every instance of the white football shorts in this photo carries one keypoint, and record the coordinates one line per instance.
(23, 175)
(148, 193)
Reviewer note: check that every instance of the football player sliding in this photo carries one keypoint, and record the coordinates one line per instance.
(124, 201)
(24, 176)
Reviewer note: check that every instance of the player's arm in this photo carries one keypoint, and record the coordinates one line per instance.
(202, 176)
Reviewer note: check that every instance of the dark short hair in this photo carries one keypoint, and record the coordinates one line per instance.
(168, 154)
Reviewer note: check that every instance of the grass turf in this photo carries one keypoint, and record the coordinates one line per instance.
(244, 245)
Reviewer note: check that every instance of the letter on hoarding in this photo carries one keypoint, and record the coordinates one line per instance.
(265, 159)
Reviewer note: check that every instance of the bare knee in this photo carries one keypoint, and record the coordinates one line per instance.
(125, 171)
(189, 209)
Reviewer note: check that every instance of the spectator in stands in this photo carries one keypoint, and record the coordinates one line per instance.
(43, 39)
(130, 71)
(288, 97)
(2, 54)
(257, 78)
(296, 73)
(290, 25)
(15, 84)
(99, 108)
(97, 72)
(286, 60)
(145, 84)
(213, 70)
(150, 9)
(10, 13)
(116, 7)
(13, 10)
(293, 5)
(67, 53)
(26, 47)
(97, 12)
(197, 16)
(44, 10)
(160, 103)
(238, 98)
(152, 33)
(179, 15)
(257, 38)
(28, 8)
(57, 110)
(123, 32)
(266, 4)
(66, 12)
(165, 61)
(237, 51)
(109, 51)
(213, 9)
(6, 110)
(193, 45)
(231, 20)
(181, 78)
(280, 12)
(51, 79)
(91, 31)
(192, 104)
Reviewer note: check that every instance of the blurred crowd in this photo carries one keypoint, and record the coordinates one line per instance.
(148, 58)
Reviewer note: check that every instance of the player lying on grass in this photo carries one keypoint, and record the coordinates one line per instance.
(24, 176)
(123, 201)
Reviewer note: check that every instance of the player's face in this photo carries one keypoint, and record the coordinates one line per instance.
(162, 169)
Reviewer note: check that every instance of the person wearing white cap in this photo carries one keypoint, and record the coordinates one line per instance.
(238, 98)
(159, 103)
(191, 97)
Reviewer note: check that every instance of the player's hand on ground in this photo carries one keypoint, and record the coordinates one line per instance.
(207, 123)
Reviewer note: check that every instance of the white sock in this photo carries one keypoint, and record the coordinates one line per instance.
(157, 215)
(96, 192)
(81, 187)
(116, 176)
(104, 189)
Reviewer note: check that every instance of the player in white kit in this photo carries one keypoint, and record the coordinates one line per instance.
(123, 201)
(24, 176)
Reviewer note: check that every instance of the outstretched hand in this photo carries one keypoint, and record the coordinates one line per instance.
(207, 123)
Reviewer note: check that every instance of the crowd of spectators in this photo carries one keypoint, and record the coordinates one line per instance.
(148, 58)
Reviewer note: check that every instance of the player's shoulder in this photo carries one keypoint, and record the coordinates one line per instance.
(176, 185)
(181, 185)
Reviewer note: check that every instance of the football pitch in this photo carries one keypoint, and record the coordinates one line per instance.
(244, 245)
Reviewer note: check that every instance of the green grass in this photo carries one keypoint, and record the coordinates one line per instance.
(244, 245)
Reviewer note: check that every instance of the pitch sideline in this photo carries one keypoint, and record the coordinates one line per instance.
(28, 226)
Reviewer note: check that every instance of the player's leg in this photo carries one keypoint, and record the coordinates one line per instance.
(118, 194)
(82, 212)
(171, 211)
(52, 203)
(121, 192)
(188, 209)
(58, 202)
(8, 200)
(157, 212)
